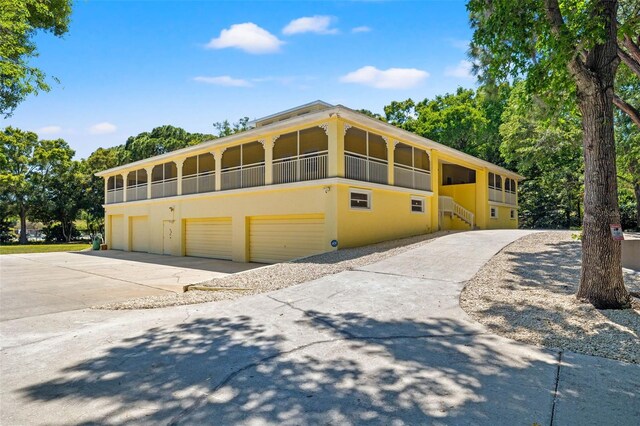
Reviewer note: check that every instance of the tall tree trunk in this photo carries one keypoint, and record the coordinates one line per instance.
(23, 225)
(636, 191)
(601, 281)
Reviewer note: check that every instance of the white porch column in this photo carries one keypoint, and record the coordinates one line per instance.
(149, 170)
(179, 164)
(267, 143)
(106, 189)
(391, 151)
(124, 187)
(217, 155)
(503, 189)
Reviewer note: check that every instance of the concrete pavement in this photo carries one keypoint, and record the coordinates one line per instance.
(43, 283)
(387, 344)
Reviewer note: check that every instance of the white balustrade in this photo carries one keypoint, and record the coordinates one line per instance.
(448, 205)
(495, 194)
(197, 183)
(411, 177)
(510, 198)
(137, 192)
(300, 167)
(115, 196)
(359, 167)
(243, 176)
(164, 188)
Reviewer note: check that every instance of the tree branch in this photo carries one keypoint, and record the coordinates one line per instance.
(627, 59)
(628, 109)
(632, 48)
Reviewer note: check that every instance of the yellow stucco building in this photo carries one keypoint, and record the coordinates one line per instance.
(307, 180)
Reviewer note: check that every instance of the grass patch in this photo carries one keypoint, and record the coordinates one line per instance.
(42, 248)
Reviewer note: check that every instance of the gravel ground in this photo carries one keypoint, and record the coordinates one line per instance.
(281, 275)
(526, 293)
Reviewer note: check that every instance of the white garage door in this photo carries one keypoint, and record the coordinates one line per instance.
(139, 234)
(275, 239)
(208, 238)
(117, 232)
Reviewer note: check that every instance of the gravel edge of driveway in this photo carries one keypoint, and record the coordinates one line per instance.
(527, 293)
(281, 275)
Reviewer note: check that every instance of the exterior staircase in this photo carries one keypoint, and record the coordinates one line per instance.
(448, 205)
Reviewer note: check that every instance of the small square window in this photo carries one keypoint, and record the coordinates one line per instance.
(360, 200)
(417, 205)
(493, 212)
(512, 215)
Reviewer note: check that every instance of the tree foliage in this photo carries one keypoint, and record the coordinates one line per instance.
(158, 141)
(19, 21)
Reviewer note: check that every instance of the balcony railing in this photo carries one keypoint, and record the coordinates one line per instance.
(495, 194)
(243, 176)
(360, 167)
(137, 192)
(300, 167)
(164, 188)
(200, 182)
(510, 197)
(411, 177)
(115, 196)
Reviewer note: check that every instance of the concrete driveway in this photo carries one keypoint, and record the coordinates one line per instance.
(43, 283)
(386, 344)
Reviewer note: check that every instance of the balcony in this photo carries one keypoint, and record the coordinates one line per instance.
(510, 197)
(243, 176)
(411, 177)
(495, 194)
(137, 192)
(115, 196)
(300, 167)
(359, 167)
(199, 182)
(164, 188)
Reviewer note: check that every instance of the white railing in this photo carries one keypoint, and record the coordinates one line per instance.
(411, 177)
(300, 167)
(243, 176)
(164, 188)
(114, 196)
(200, 182)
(359, 167)
(510, 198)
(495, 194)
(448, 205)
(137, 192)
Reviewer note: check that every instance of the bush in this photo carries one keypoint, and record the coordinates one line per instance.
(53, 233)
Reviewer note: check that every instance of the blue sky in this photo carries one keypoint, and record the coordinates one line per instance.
(127, 67)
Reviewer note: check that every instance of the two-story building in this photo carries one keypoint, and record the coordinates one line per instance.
(308, 180)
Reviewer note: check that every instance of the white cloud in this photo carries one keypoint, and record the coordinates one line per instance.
(223, 80)
(248, 37)
(102, 128)
(462, 70)
(310, 24)
(49, 130)
(362, 29)
(392, 78)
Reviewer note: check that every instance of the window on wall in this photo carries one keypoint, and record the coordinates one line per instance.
(495, 181)
(360, 199)
(512, 214)
(417, 205)
(493, 212)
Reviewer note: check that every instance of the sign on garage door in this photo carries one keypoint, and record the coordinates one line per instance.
(208, 238)
(275, 239)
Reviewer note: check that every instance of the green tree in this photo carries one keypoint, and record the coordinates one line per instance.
(544, 144)
(19, 21)
(225, 128)
(160, 140)
(564, 46)
(18, 178)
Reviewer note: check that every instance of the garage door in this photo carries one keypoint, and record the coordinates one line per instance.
(275, 239)
(140, 234)
(117, 232)
(208, 238)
